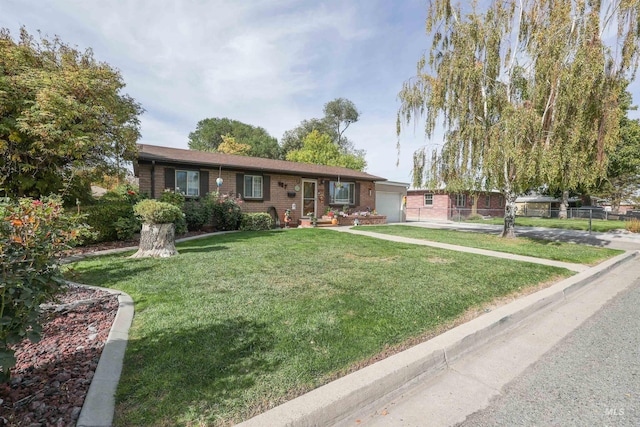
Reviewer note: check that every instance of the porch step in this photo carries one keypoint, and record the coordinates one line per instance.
(305, 223)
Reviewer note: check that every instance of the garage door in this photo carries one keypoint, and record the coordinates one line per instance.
(389, 204)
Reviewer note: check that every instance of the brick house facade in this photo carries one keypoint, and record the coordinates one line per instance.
(262, 184)
(441, 205)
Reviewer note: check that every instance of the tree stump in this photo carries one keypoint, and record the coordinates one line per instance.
(157, 240)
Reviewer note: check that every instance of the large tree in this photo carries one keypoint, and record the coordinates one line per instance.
(338, 115)
(319, 149)
(527, 90)
(209, 132)
(62, 114)
(623, 171)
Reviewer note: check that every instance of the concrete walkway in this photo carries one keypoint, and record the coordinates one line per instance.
(615, 239)
(534, 260)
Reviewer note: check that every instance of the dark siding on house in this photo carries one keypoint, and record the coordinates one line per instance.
(170, 178)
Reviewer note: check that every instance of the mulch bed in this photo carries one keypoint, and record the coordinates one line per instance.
(51, 379)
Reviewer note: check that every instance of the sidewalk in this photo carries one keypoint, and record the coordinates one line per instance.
(617, 239)
(441, 381)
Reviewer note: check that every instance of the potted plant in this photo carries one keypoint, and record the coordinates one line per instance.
(332, 216)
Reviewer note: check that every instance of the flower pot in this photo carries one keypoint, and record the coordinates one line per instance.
(334, 221)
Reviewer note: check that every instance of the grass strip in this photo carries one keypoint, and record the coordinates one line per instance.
(539, 248)
(241, 322)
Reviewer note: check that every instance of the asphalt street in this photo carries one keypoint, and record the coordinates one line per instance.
(591, 378)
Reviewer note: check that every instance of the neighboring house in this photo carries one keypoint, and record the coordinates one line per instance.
(442, 205)
(262, 184)
(390, 198)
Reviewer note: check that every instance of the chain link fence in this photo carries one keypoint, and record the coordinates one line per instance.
(462, 214)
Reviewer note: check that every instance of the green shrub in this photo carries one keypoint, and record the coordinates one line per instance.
(127, 226)
(103, 216)
(176, 199)
(227, 214)
(474, 217)
(33, 234)
(155, 212)
(197, 213)
(256, 221)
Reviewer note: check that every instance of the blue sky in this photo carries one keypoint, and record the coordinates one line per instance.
(269, 63)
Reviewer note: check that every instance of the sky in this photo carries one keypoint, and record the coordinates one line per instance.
(268, 63)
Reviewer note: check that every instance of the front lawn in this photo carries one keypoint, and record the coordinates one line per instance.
(241, 322)
(566, 252)
(598, 225)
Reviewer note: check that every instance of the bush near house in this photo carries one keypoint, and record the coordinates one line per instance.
(33, 234)
(256, 221)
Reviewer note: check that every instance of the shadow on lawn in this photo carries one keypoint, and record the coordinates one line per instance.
(219, 242)
(103, 275)
(203, 372)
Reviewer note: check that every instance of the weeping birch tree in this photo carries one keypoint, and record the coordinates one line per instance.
(527, 92)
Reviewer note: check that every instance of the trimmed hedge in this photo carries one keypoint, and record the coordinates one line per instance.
(102, 218)
(256, 221)
(155, 212)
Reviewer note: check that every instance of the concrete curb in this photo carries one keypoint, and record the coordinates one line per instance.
(333, 402)
(99, 404)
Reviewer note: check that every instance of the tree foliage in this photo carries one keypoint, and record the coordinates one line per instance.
(319, 149)
(230, 146)
(623, 171)
(527, 91)
(338, 115)
(209, 135)
(62, 114)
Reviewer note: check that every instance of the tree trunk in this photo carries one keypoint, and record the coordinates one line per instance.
(157, 240)
(564, 203)
(509, 229)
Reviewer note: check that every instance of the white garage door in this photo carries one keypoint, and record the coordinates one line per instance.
(389, 204)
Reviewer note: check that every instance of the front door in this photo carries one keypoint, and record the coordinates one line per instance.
(309, 195)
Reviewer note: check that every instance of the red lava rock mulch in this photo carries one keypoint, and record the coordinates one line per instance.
(51, 379)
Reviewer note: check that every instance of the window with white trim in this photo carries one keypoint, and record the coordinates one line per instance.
(253, 187)
(342, 193)
(461, 200)
(188, 183)
(487, 201)
(428, 199)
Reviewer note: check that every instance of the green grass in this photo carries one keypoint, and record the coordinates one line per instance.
(599, 225)
(567, 252)
(240, 322)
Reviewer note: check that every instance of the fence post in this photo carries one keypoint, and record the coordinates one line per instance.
(590, 216)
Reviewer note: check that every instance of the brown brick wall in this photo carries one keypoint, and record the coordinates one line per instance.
(280, 186)
(444, 205)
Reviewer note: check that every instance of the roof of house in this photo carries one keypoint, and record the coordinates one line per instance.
(150, 153)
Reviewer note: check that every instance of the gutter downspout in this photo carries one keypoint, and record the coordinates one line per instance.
(153, 179)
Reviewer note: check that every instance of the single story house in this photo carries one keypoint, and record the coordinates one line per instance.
(264, 185)
(441, 205)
